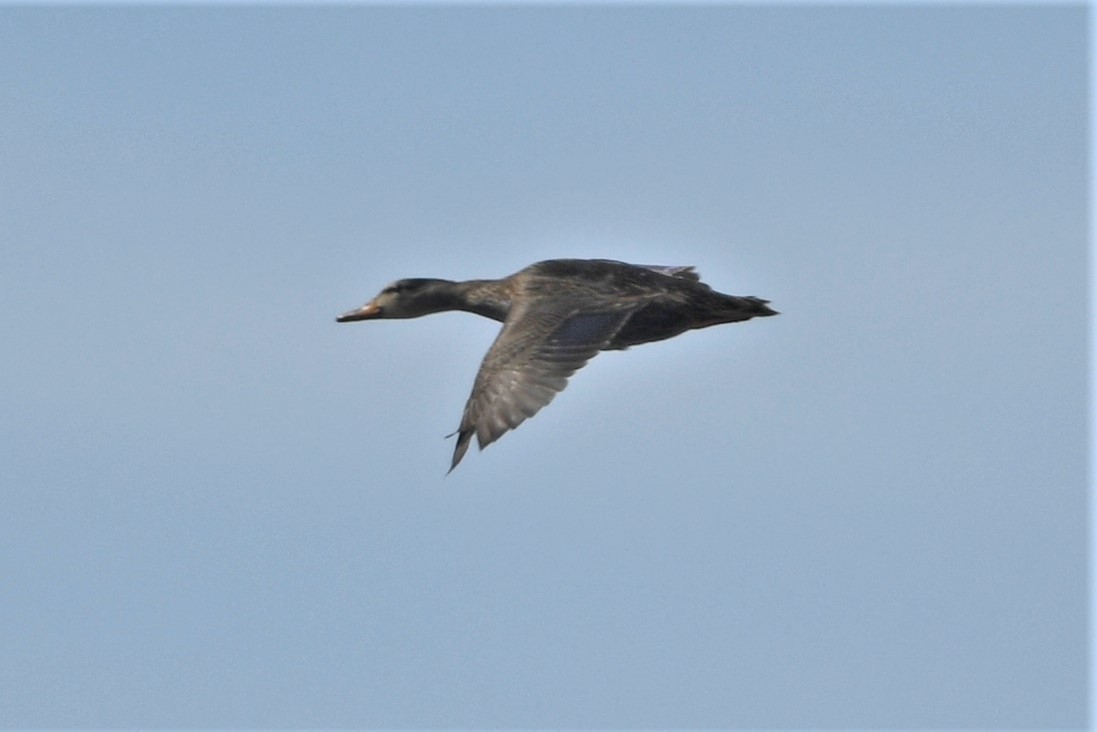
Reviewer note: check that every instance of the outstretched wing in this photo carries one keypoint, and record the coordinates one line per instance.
(530, 361)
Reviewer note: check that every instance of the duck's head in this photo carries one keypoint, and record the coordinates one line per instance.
(408, 298)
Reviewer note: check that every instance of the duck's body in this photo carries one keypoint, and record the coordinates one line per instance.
(556, 316)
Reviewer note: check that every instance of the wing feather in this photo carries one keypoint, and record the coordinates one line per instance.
(530, 362)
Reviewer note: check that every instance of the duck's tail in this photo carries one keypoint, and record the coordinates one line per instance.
(758, 307)
(734, 308)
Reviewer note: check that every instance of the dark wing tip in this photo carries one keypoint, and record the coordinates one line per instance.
(463, 439)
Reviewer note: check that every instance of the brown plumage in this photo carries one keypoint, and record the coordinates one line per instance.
(556, 316)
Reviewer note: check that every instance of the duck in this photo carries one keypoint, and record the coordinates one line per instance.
(557, 315)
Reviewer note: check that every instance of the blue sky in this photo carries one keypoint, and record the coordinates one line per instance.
(224, 510)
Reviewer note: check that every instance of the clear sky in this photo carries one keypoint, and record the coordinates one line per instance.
(222, 509)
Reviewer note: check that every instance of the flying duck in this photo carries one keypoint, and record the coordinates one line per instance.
(556, 316)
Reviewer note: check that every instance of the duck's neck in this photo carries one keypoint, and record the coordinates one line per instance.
(489, 298)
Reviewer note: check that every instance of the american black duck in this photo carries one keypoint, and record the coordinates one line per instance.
(556, 316)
